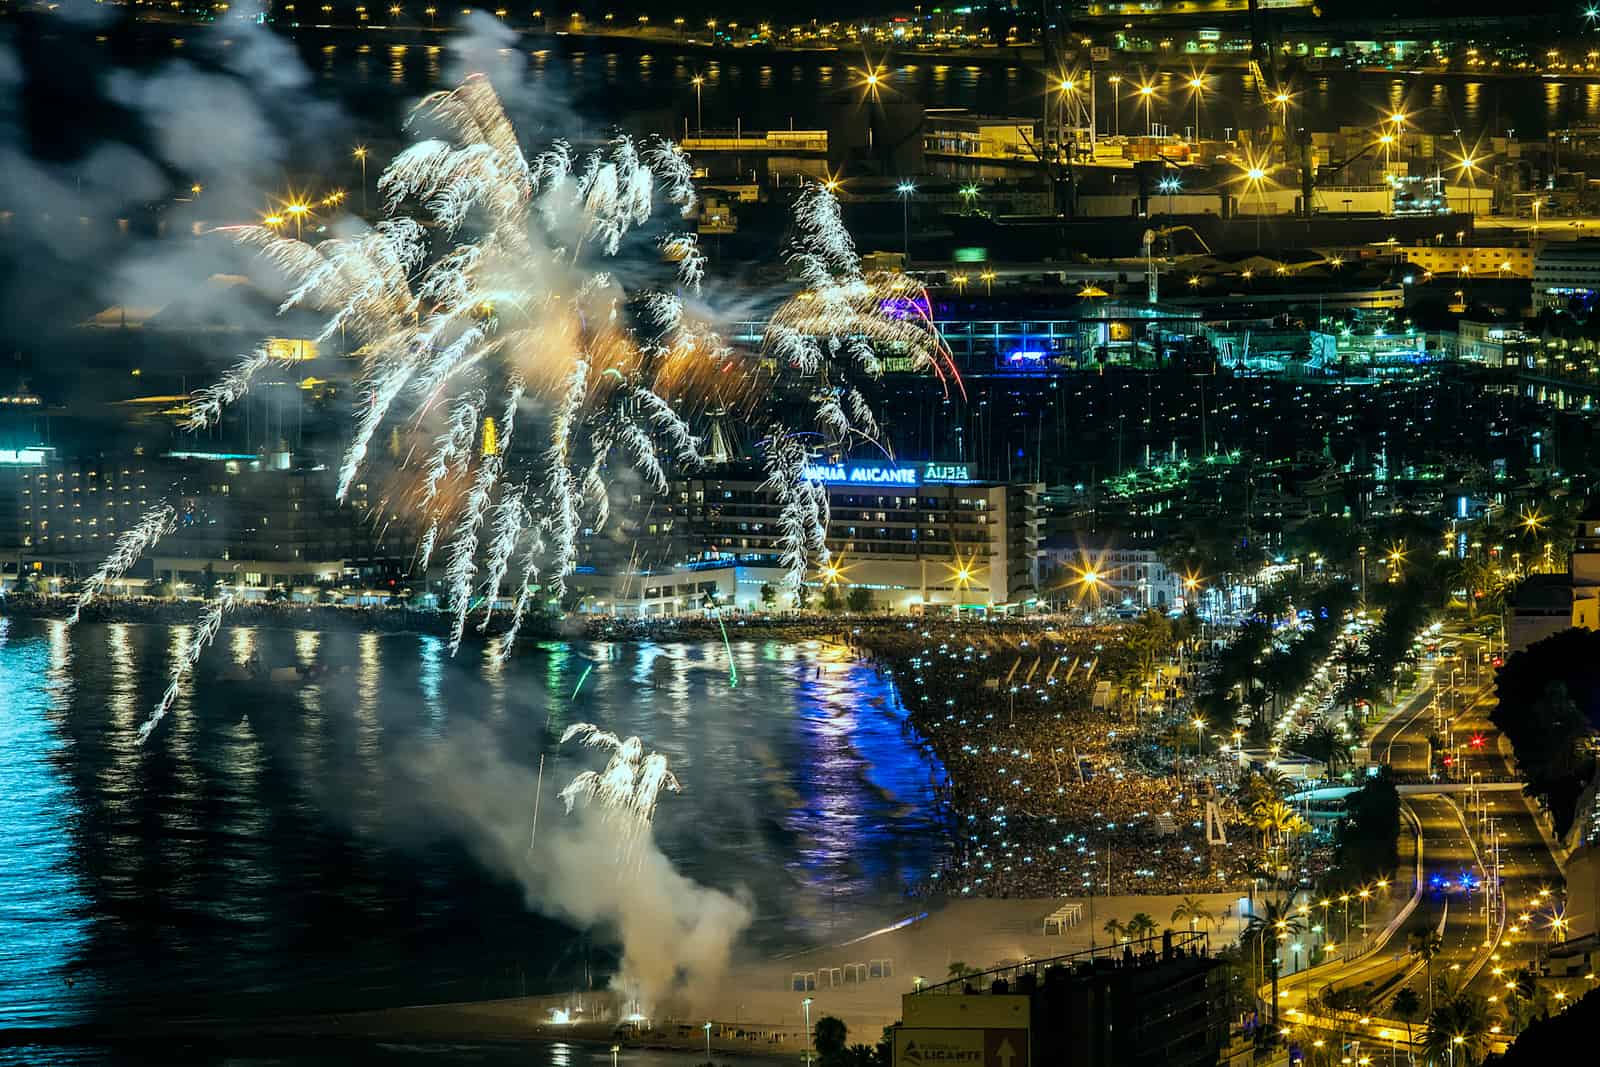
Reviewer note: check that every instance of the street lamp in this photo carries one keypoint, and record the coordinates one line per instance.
(806, 1004)
(298, 210)
(1116, 105)
(1200, 747)
(699, 115)
(361, 157)
(1469, 167)
(988, 281)
(905, 189)
(1197, 86)
(1282, 99)
(1066, 87)
(1170, 186)
(1255, 177)
(707, 1029)
(1147, 94)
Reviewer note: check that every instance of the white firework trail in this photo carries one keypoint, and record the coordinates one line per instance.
(130, 545)
(462, 566)
(508, 517)
(451, 454)
(206, 406)
(829, 334)
(629, 786)
(205, 633)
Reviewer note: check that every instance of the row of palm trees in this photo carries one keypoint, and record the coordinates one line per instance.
(1261, 797)
(1140, 926)
(1458, 1032)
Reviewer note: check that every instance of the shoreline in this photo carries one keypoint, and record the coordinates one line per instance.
(754, 1010)
(399, 620)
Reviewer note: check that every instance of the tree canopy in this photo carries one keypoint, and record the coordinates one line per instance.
(1548, 705)
(1368, 837)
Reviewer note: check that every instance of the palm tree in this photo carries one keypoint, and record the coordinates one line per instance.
(1276, 921)
(829, 1037)
(958, 969)
(1277, 822)
(1142, 925)
(1428, 944)
(1523, 1000)
(1458, 1030)
(1116, 929)
(1406, 1006)
(1326, 746)
(1194, 912)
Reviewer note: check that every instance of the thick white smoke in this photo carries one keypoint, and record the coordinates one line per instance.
(677, 936)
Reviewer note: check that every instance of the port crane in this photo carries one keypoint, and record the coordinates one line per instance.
(1151, 236)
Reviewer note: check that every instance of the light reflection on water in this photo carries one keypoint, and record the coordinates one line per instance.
(269, 849)
(44, 904)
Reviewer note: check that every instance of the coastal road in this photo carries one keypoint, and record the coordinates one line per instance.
(1526, 864)
(1449, 902)
(1452, 899)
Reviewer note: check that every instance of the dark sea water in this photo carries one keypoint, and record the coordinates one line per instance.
(275, 847)
(566, 82)
(650, 87)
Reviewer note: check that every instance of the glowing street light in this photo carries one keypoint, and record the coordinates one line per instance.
(298, 210)
(699, 114)
(1197, 88)
(1170, 186)
(360, 152)
(1255, 177)
(1282, 99)
(1468, 166)
(1147, 95)
(905, 190)
(988, 281)
(1116, 105)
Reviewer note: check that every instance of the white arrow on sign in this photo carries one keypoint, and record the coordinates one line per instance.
(1005, 1052)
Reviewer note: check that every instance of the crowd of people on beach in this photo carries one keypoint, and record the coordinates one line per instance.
(1050, 791)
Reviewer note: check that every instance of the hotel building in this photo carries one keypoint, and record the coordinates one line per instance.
(917, 536)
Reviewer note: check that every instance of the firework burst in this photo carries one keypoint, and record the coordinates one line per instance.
(495, 284)
(631, 783)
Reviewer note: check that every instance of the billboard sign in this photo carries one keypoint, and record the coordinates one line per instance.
(965, 1047)
(904, 474)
